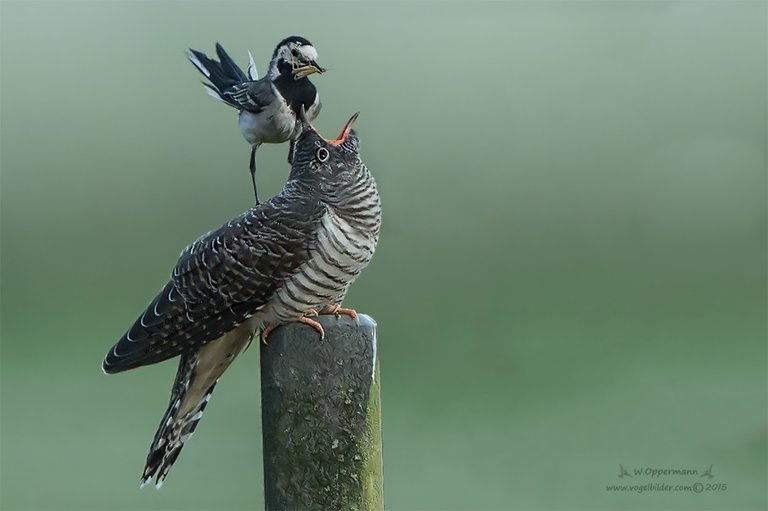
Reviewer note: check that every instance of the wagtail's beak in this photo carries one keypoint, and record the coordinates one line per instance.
(309, 69)
(317, 67)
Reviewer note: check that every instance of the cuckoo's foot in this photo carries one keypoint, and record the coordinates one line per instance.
(314, 324)
(338, 310)
(304, 319)
(265, 332)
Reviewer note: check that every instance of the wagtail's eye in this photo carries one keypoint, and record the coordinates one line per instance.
(322, 154)
(295, 52)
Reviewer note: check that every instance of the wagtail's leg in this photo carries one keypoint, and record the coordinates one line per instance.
(253, 172)
(290, 152)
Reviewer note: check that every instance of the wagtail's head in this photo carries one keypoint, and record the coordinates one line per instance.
(295, 56)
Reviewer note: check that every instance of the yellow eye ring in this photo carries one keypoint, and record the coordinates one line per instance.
(322, 154)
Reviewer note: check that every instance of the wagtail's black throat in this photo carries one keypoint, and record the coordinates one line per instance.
(269, 106)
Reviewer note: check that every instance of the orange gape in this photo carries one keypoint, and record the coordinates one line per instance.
(344, 131)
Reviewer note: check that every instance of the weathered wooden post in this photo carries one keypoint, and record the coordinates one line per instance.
(321, 417)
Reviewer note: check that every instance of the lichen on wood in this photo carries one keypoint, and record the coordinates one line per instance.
(321, 416)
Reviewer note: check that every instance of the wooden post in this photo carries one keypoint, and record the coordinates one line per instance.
(321, 417)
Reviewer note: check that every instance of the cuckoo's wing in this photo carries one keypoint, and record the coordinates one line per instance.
(220, 280)
(253, 96)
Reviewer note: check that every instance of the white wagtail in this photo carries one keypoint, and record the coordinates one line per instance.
(269, 107)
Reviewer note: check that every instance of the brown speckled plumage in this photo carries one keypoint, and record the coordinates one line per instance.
(298, 251)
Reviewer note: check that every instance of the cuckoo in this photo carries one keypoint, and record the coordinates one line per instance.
(287, 259)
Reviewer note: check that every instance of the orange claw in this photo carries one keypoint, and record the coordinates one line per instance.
(339, 310)
(265, 333)
(314, 324)
(304, 319)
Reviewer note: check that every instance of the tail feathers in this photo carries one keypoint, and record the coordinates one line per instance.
(211, 91)
(179, 422)
(222, 74)
(199, 371)
(253, 74)
(231, 70)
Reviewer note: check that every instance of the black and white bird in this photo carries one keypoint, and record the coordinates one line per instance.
(268, 107)
(283, 260)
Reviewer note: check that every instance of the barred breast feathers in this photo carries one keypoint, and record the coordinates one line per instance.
(357, 201)
(340, 249)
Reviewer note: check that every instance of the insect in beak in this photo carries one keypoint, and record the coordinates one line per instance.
(307, 69)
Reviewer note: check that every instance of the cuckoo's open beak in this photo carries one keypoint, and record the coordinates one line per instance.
(345, 130)
(342, 135)
(308, 69)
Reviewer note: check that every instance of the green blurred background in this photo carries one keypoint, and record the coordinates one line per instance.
(571, 273)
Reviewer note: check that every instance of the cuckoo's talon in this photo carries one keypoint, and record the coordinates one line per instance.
(338, 310)
(314, 324)
(265, 333)
(352, 313)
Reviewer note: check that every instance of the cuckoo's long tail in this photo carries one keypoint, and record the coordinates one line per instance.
(199, 371)
(179, 422)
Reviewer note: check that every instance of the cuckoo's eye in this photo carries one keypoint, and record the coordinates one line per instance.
(322, 154)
